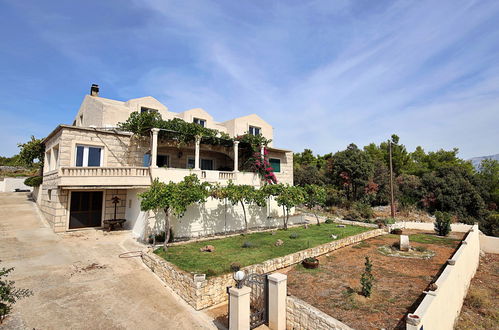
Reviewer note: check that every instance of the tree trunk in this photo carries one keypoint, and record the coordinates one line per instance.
(167, 228)
(316, 217)
(245, 220)
(225, 216)
(285, 227)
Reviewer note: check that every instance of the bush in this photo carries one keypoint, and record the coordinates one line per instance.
(442, 223)
(9, 294)
(329, 221)
(210, 272)
(367, 279)
(359, 211)
(396, 231)
(33, 181)
(247, 245)
(235, 266)
(294, 236)
(490, 225)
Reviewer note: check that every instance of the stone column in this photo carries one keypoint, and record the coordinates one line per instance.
(262, 151)
(236, 156)
(196, 153)
(154, 147)
(277, 301)
(239, 309)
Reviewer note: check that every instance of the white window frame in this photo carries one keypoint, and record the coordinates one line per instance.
(254, 127)
(198, 121)
(85, 155)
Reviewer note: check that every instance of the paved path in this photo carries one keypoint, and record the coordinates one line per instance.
(70, 293)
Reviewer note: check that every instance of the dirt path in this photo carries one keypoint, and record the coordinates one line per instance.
(78, 280)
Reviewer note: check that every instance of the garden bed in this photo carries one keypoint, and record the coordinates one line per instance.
(399, 282)
(258, 248)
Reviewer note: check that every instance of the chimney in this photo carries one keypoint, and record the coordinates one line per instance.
(94, 90)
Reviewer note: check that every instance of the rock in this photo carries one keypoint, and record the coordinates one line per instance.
(433, 287)
(305, 226)
(404, 243)
(334, 236)
(273, 233)
(207, 248)
(341, 226)
(279, 242)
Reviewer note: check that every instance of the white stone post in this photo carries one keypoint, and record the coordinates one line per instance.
(154, 147)
(196, 153)
(236, 156)
(239, 309)
(277, 301)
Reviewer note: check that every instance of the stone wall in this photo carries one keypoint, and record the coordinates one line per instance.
(286, 174)
(440, 308)
(208, 292)
(53, 204)
(302, 316)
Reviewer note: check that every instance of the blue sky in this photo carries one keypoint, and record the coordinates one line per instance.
(323, 73)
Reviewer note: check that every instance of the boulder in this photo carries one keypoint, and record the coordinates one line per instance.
(404, 243)
(207, 248)
(279, 242)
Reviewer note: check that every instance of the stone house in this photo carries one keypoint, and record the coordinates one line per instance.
(90, 162)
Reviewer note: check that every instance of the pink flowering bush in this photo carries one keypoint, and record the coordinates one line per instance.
(261, 165)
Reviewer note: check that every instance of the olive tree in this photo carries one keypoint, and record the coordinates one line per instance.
(315, 196)
(173, 198)
(245, 194)
(289, 197)
(32, 153)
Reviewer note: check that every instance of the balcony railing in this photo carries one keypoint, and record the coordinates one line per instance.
(103, 176)
(104, 171)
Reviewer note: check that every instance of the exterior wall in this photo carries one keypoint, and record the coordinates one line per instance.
(489, 244)
(240, 126)
(222, 157)
(440, 308)
(286, 174)
(189, 116)
(302, 316)
(457, 227)
(54, 207)
(11, 184)
(201, 293)
(109, 206)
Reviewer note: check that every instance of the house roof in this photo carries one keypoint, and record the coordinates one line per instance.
(88, 129)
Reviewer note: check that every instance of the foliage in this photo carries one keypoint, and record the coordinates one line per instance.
(328, 221)
(32, 153)
(255, 141)
(9, 161)
(33, 181)
(315, 196)
(290, 196)
(488, 178)
(396, 231)
(245, 194)
(188, 257)
(173, 198)
(9, 294)
(260, 164)
(360, 211)
(490, 224)
(442, 223)
(294, 236)
(351, 169)
(367, 279)
(247, 245)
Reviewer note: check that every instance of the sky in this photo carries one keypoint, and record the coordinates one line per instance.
(324, 74)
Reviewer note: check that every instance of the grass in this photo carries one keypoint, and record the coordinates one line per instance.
(229, 250)
(429, 239)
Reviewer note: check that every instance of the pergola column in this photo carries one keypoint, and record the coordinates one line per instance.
(154, 147)
(196, 154)
(236, 156)
(262, 151)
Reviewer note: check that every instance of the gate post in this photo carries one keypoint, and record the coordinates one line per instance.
(239, 308)
(277, 301)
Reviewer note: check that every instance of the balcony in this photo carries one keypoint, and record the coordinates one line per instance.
(222, 177)
(104, 176)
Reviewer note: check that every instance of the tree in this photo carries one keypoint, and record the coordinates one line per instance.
(488, 177)
(173, 198)
(314, 196)
(367, 278)
(289, 197)
(32, 151)
(244, 194)
(351, 170)
(442, 223)
(9, 294)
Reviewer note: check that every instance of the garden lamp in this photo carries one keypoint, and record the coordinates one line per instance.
(239, 278)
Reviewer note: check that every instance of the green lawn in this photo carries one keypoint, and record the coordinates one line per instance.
(229, 250)
(427, 238)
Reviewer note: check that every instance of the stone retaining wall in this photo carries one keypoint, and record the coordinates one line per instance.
(203, 293)
(302, 316)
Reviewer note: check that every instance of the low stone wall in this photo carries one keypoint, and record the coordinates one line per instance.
(201, 293)
(302, 316)
(458, 227)
(489, 244)
(440, 308)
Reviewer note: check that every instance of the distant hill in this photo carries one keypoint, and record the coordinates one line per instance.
(477, 160)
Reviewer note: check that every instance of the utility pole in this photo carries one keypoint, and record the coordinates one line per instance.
(392, 199)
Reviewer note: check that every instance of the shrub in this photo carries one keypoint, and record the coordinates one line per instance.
(210, 272)
(9, 294)
(294, 236)
(367, 279)
(442, 223)
(160, 238)
(329, 221)
(490, 225)
(365, 210)
(396, 231)
(247, 245)
(33, 181)
(235, 266)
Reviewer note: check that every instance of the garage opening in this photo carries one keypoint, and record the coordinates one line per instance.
(86, 209)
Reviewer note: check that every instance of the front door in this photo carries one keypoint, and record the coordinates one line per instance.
(86, 209)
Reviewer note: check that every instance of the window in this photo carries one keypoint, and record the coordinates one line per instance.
(88, 156)
(144, 109)
(275, 163)
(190, 162)
(55, 154)
(81, 120)
(163, 161)
(207, 164)
(48, 160)
(198, 121)
(254, 130)
(146, 161)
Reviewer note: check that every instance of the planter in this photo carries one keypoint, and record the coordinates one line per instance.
(310, 264)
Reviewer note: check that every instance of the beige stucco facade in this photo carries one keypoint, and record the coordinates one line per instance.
(126, 165)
